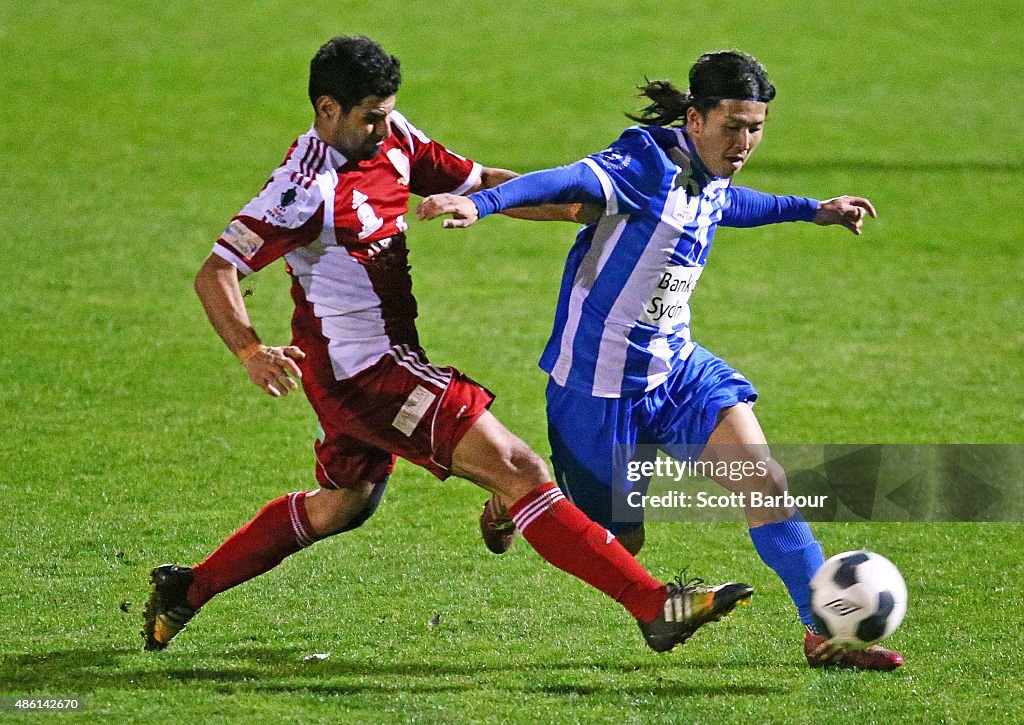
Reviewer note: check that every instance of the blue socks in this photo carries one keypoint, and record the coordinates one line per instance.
(791, 550)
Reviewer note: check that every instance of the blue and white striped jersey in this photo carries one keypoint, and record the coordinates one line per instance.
(623, 316)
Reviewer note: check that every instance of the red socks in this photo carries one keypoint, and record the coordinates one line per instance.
(566, 538)
(280, 529)
(552, 525)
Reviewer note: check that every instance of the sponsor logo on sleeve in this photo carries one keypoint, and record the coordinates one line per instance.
(615, 159)
(242, 239)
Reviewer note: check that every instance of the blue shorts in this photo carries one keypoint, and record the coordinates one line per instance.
(588, 435)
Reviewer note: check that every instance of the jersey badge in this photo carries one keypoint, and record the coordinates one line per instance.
(401, 162)
(279, 213)
(686, 207)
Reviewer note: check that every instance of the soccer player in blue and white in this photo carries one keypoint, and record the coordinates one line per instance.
(623, 367)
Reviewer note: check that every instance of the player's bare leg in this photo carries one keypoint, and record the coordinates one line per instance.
(283, 527)
(738, 436)
(495, 459)
(668, 615)
(331, 511)
(489, 443)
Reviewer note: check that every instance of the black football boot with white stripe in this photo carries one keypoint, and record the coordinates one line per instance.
(691, 605)
(167, 611)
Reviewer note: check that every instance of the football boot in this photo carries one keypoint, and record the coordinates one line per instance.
(496, 527)
(167, 611)
(821, 653)
(691, 605)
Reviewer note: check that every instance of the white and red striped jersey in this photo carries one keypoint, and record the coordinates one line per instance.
(340, 227)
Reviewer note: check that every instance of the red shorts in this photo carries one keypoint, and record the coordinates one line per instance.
(402, 405)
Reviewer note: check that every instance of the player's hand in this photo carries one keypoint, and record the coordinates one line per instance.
(275, 369)
(846, 211)
(463, 211)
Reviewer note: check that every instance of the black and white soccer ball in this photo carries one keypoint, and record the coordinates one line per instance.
(858, 598)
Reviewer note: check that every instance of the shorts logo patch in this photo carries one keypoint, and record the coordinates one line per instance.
(242, 239)
(413, 410)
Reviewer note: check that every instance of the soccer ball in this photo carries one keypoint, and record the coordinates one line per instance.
(858, 598)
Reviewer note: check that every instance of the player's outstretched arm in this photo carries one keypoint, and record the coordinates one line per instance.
(575, 213)
(464, 211)
(846, 211)
(567, 185)
(273, 369)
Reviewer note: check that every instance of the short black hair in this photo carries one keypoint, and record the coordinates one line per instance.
(350, 68)
(714, 77)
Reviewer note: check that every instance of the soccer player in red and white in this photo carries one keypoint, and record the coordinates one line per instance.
(335, 210)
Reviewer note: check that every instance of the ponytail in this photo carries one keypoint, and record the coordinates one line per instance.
(668, 105)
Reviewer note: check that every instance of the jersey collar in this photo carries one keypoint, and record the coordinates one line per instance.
(699, 173)
(335, 159)
(676, 143)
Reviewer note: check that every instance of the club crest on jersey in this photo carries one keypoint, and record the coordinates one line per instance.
(365, 213)
(279, 213)
(401, 162)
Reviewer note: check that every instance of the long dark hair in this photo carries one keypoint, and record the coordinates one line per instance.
(713, 78)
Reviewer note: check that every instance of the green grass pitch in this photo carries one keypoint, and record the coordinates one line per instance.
(130, 132)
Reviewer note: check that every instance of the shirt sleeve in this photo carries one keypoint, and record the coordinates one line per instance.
(565, 185)
(433, 169)
(631, 172)
(285, 215)
(748, 208)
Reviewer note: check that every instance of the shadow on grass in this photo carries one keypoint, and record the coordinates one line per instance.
(283, 670)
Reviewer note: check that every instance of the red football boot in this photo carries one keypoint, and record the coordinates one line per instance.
(496, 527)
(822, 654)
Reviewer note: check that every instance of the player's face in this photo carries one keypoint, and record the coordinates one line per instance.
(729, 135)
(359, 132)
